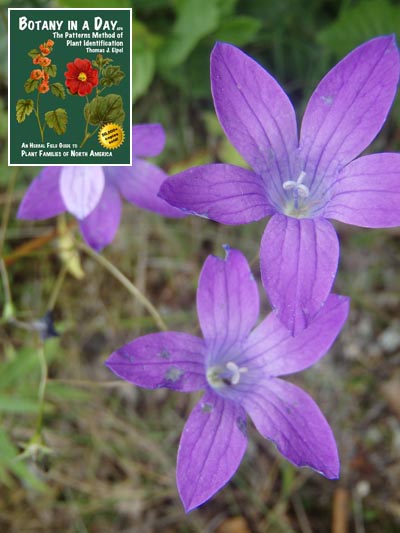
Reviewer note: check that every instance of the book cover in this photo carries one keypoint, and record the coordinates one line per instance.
(70, 86)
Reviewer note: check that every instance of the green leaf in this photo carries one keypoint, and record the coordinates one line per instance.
(9, 461)
(62, 392)
(359, 23)
(30, 85)
(57, 120)
(24, 109)
(34, 53)
(16, 404)
(195, 21)
(144, 66)
(238, 30)
(144, 46)
(51, 70)
(101, 61)
(226, 7)
(113, 75)
(104, 109)
(19, 368)
(58, 90)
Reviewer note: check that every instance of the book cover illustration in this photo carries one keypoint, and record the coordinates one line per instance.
(70, 86)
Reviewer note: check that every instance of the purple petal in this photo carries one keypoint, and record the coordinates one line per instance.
(81, 189)
(171, 360)
(148, 140)
(101, 225)
(225, 193)
(299, 259)
(254, 111)
(212, 445)
(290, 418)
(367, 192)
(227, 302)
(349, 107)
(43, 198)
(272, 350)
(140, 185)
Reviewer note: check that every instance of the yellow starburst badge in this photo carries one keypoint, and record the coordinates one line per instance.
(111, 136)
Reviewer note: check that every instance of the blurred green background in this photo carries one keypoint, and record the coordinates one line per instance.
(99, 456)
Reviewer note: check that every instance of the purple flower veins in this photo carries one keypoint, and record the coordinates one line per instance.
(300, 182)
(93, 193)
(238, 367)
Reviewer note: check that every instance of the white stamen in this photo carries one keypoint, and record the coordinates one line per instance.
(236, 371)
(301, 177)
(290, 184)
(302, 190)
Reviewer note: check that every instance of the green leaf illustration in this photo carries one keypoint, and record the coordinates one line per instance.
(57, 120)
(24, 109)
(30, 85)
(101, 61)
(104, 109)
(113, 75)
(51, 70)
(34, 53)
(58, 90)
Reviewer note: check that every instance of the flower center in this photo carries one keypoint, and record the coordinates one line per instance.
(297, 206)
(217, 376)
(82, 76)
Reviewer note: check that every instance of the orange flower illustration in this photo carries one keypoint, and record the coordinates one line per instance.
(44, 87)
(44, 61)
(36, 74)
(45, 49)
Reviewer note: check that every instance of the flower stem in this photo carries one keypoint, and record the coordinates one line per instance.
(42, 390)
(87, 135)
(38, 117)
(57, 287)
(130, 287)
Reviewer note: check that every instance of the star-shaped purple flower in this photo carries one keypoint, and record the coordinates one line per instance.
(301, 183)
(93, 193)
(238, 367)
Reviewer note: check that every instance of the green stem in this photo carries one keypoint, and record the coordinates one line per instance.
(57, 288)
(88, 135)
(130, 287)
(41, 394)
(38, 117)
(8, 308)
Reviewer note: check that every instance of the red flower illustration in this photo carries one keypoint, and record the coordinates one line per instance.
(81, 77)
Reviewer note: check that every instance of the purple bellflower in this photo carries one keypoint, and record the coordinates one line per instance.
(93, 193)
(299, 183)
(238, 367)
